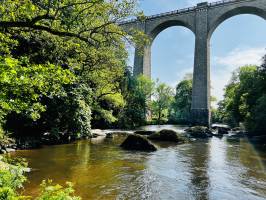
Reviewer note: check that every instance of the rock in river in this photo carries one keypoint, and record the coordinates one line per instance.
(138, 142)
(199, 132)
(222, 131)
(166, 135)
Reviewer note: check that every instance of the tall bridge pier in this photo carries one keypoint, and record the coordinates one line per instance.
(202, 20)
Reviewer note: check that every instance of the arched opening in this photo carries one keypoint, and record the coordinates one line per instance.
(168, 24)
(234, 12)
(172, 61)
(237, 41)
(172, 54)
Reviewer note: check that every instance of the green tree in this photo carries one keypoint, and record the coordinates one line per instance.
(24, 84)
(244, 99)
(180, 108)
(255, 122)
(82, 37)
(137, 93)
(162, 98)
(239, 95)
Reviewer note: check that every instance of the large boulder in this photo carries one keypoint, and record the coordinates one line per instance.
(137, 142)
(166, 135)
(199, 132)
(143, 132)
(222, 130)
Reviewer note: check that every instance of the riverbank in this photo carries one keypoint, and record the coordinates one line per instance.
(8, 145)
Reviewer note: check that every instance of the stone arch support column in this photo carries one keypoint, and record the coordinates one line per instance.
(142, 61)
(200, 108)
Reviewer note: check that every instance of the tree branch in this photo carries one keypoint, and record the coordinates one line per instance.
(47, 29)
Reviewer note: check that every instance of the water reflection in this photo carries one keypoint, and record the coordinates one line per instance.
(204, 169)
(199, 154)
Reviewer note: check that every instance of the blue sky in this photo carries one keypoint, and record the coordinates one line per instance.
(238, 41)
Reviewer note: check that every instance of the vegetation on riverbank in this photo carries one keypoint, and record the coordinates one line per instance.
(63, 65)
(245, 99)
(12, 177)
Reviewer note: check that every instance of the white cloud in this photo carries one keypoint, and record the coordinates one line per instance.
(223, 66)
(239, 57)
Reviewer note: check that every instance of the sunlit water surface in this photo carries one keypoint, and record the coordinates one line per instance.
(204, 169)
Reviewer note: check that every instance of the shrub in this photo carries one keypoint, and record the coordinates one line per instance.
(12, 178)
(49, 191)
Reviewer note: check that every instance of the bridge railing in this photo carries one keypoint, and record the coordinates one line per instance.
(222, 2)
(173, 12)
(180, 11)
(183, 10)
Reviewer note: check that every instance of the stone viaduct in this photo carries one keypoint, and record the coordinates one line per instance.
(202, 20)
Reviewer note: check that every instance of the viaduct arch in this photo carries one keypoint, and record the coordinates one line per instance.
(202, 20)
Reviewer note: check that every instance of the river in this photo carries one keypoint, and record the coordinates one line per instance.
(216, 168)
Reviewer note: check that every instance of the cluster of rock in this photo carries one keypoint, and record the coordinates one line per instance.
(199, 132)
(205, 132)
(7, 145)
(140, 140)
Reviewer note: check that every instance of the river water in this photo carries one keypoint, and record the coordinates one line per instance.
(217, 169)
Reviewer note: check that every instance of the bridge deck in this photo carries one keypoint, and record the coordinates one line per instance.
(186, 10)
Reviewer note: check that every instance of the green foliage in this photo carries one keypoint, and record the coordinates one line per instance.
(163, 97)
(23, 84)
(55, 53)
(49, 191)
(180, 108)
(12, 178)
(69, 113)
(88, 21)
(257, 120)
(137, 93)
(215, 116)
(244, 99)
(15, 161)
(235, 106)
(5, 139)
(105, 82)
